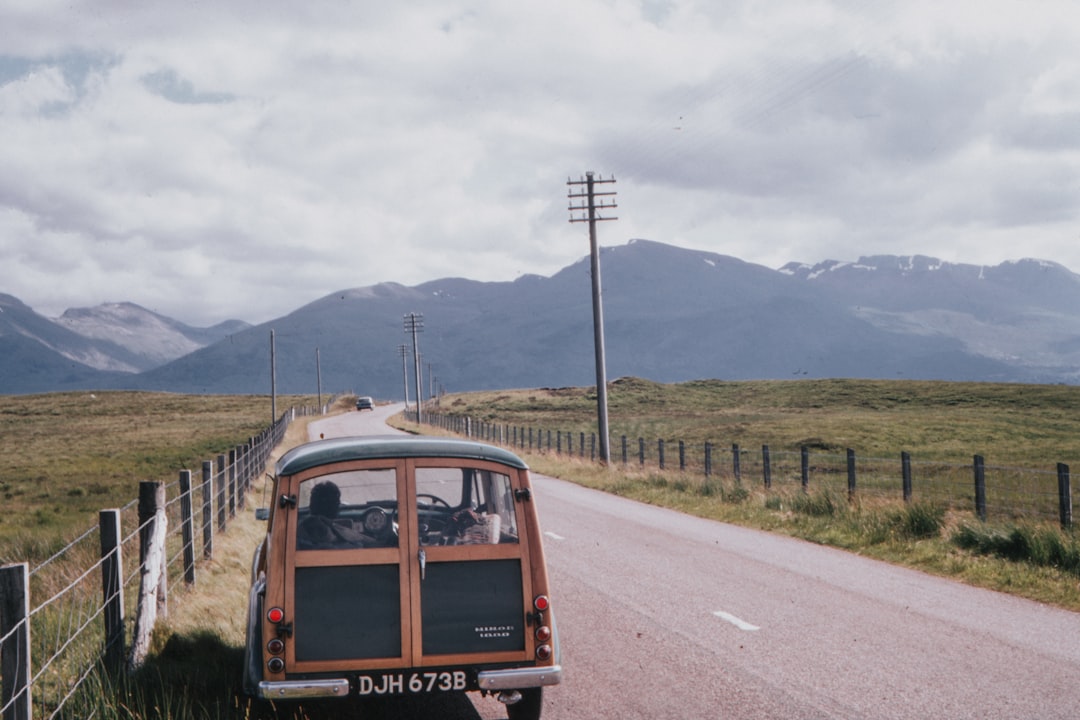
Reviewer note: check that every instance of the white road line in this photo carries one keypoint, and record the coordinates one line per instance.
(553, 536)
(741, 624)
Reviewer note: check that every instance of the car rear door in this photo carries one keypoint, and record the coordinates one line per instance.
(452, 586)
(469, 570)
(347, 597)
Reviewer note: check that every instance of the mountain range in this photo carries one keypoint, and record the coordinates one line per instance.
(671, 314)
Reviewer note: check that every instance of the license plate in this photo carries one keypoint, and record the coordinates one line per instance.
(417, 682)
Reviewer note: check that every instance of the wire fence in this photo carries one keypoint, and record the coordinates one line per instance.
(998, 491)
(62, 619)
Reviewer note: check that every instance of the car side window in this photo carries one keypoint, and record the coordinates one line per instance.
(464, 506)
(348, 510)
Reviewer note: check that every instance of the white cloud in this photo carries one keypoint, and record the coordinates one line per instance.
(241, 159)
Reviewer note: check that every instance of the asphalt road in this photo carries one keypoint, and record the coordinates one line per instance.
(663, 615)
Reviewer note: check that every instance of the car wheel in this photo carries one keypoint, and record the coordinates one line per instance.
(528, 707)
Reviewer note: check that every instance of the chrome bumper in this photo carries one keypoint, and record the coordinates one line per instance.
(298, 689)
(518, 678)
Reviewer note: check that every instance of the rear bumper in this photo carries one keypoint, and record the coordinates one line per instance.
(488, 680)
(300, 689)
(518, 678)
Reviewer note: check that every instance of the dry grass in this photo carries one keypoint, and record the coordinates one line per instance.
(1013, 426)
(218, 602)
(65, 456)
(1022, 425)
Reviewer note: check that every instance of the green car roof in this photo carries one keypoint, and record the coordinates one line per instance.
(335, 450)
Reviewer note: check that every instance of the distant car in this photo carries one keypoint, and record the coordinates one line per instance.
(400, 565)
(365, 403)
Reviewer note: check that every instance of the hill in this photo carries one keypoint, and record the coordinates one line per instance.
(671, 315)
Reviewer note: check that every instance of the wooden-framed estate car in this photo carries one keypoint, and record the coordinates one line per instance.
(401, 564)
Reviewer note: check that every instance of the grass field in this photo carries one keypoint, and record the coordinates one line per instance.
(1022, 429)
(66, 456)
(1011, 424)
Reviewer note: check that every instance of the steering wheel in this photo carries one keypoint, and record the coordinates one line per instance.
(435, 499)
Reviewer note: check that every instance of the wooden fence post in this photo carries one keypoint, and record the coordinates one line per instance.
(187, 527)
(905, 468)
(660, 453)
(804, 453)
(624, 457)
(232, 483)
(980, 487)
(736, 463)
(641, 451)
(153, 580)
(15, 643)
(241, 477)
(253, 469)
(112, 587)
(708, 462)
(222, 501)
(766, 467)
(682, 456)
(850, 475)
(1064, 496)
(208, 509)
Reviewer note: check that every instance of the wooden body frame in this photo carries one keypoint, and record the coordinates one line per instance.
(280, 559)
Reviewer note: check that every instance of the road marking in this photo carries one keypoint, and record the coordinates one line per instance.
(741, 624)
(553, 536)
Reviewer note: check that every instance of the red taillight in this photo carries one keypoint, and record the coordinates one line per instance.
(275, 665)
(543, 652)
(275, 646)
(540, 602)
(275, 615)
(543, 633)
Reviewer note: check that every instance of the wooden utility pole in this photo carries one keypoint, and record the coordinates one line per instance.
(414, 323)
(584, 207)
(404, 351)
(273, 380)
(318, 376)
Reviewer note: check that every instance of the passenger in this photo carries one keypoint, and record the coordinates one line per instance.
(322, 528)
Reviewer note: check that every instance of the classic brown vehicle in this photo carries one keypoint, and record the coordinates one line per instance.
(395, 565)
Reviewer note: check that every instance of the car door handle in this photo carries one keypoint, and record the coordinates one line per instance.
(422, 556)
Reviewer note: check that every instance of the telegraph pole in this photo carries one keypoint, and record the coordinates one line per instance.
(273, 380)
(584, 207)
(318, 376)
(414, 323)
(404, 350)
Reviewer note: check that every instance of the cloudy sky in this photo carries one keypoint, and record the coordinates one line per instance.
(239, 159)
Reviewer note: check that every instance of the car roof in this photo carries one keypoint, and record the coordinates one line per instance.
(374, 447)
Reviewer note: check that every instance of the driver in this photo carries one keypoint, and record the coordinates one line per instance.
(322, 528)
